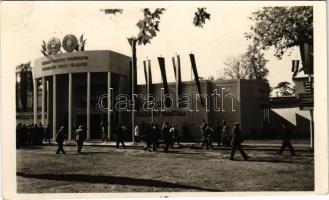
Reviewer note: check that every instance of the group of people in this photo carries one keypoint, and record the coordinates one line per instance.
(79, 138)
(219, 134)
(31, 134)
(223, 137)
(153, 135)
(235, 139)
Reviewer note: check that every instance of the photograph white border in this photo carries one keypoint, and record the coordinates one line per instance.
(8, 116)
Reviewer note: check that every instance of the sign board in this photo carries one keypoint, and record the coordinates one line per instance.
(81, 62)
(306, 101)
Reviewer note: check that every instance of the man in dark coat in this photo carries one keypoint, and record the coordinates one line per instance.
(236, 142)
(40, 134)
(148, 129)
(225, 136)
(30, 134)
(60, 137)
(203, 132)
(79, 138)
(286, 137)
(120, 135)
(166, 136)
(218, 134)
(209, 132)
(203, 127)
(155, 137)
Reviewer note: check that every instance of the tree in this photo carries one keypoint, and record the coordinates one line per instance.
(255, 61)
(284, 89)
(251, 65)
(200, 17)
(25, 84)
(236, 69)
(148, 28)
(211, 78)
(282, 27)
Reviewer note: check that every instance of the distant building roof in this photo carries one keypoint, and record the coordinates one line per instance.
(284, 102)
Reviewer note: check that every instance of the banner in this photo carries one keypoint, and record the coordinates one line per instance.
(174, 65)
(146, 78)
(149, 76)
(196, 77)
(178, 78)
(295, 67)
(179, 84)
(164, 78)
(163, 74)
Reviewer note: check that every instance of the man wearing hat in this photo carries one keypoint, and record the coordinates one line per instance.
(79, 138)
(236, 142)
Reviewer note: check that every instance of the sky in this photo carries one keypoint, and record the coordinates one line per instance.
(25, 24)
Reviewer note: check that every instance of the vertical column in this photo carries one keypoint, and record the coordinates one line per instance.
(88, 105)
(43, 101)
(109, 103)
(133, 65)
(35, 101)
(69, 128)
(47, 103)
(311, 130)
(54, 107)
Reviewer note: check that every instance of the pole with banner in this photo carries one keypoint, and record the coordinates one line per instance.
(149, 84)
(133, 42)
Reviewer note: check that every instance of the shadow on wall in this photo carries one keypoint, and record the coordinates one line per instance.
(300, 130)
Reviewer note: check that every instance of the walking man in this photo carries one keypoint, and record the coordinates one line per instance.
(155, 138)
(209, 135)
(286, 137)
(173, 135)
(218, 134)
(120, 136)
(137, 131)
(225, 138)
(60, 137)
(148, 137)
(79, 138)
(203, 132)
(103, 131)
(166, 136)
(236, 142)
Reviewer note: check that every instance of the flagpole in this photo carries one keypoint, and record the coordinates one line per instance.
(149, 86)
(192, 97)
(132, 93)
